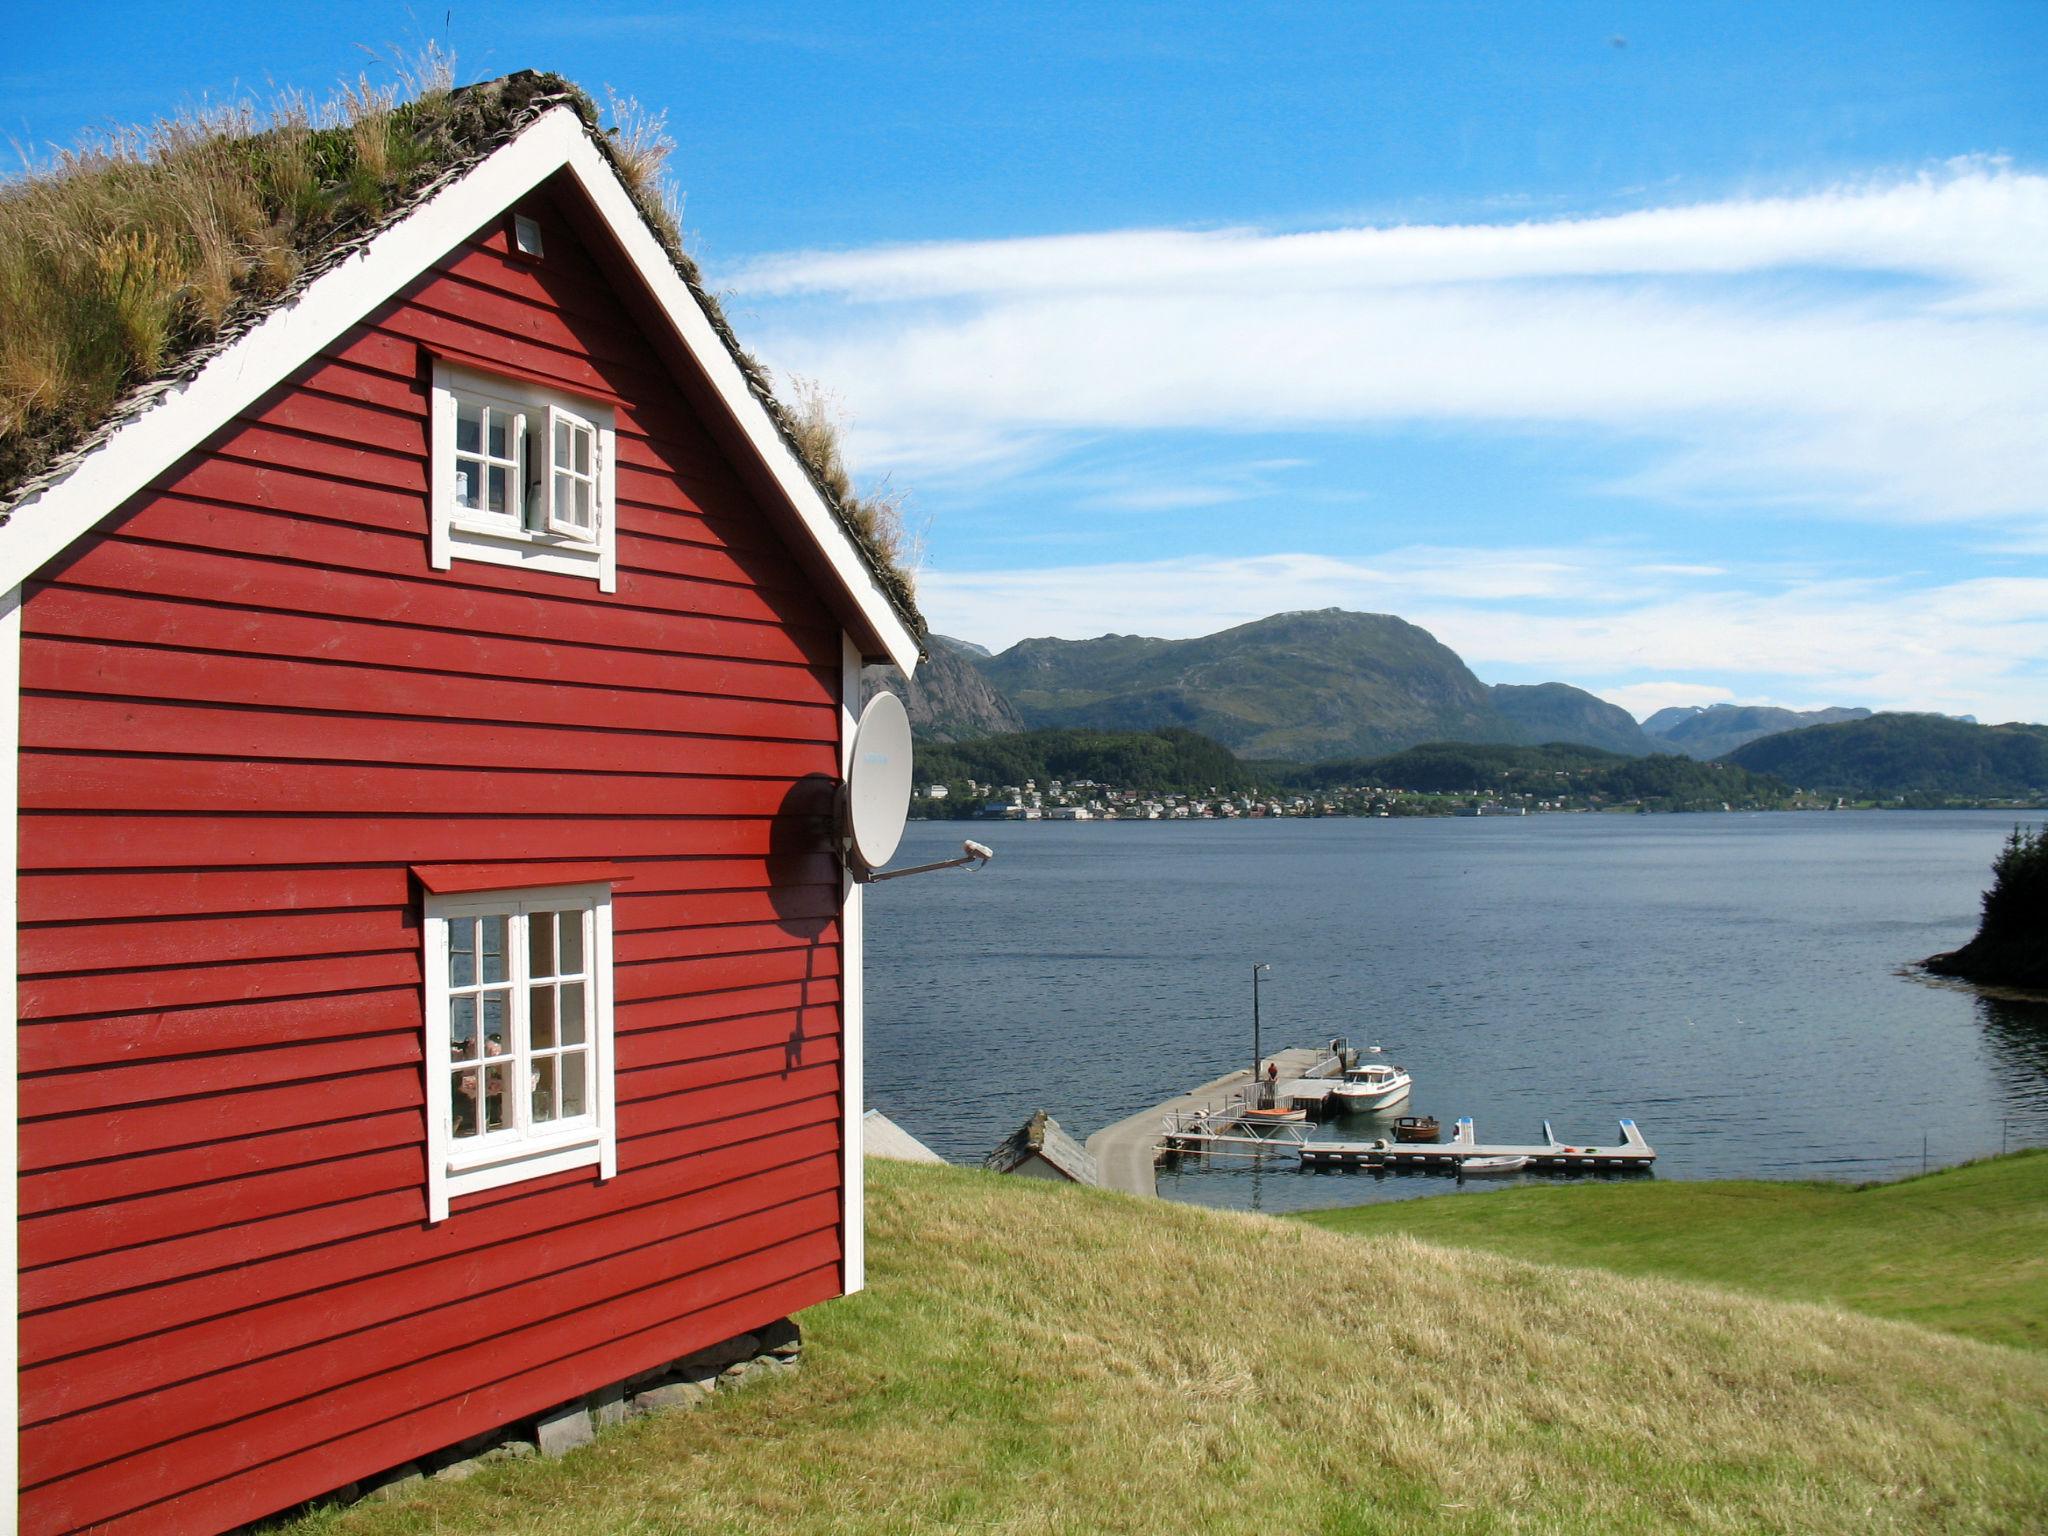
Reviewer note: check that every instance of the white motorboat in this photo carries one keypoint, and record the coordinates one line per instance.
(1490, 1165)
(1370, 1086)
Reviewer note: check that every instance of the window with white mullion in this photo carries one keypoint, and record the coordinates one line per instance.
(572, 496)
(558, 999)
(490, 451)
(482, 1039)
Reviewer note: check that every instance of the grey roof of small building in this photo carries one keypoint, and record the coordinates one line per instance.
(1041, 1136)
(883, 1137)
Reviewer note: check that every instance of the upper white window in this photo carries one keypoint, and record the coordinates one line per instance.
(518, 1038)
(522, 475)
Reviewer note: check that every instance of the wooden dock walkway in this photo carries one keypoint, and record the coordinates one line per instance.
(1632, 1152)
(1127, 1153)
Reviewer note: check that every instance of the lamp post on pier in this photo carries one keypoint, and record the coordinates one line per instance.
(1258, 1087)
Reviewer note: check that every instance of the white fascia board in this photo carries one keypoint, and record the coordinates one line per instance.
(40, 529)
(694, 329)
(852, 1017)
(44, 526)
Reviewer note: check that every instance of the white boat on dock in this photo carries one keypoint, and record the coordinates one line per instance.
(1370, 1086)
(1473, 1166)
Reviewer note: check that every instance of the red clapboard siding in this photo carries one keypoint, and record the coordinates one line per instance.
(249, 708)
(81, 666)
(705, 1156)
(233, 1500)
(342, 1327)
(195, 1459)
(85, 615)
(432, 599)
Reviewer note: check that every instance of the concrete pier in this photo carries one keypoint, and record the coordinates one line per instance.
(1126, 1153)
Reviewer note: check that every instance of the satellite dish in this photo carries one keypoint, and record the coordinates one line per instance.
(878, 781)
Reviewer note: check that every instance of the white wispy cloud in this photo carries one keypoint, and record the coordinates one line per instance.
(1972, 646)
(1869, 351)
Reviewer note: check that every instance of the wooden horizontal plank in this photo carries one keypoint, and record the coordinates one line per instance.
(309, 1470)
(111, 1226)
(723, 939)
(136, 1129)
(660, 1015)
(91, 781)
(312, 1062)
(188, 941)
(776, 1029)
(635, 912)
(150, 619)
(216, 1165)
(93, 896)
(148, 1034)
(58, 840)
(253, 1361)
(66, 1447)
(65, 723)
(56, 665)
(464, 599)
(155, 988)
(723, 973)
(701, 1156)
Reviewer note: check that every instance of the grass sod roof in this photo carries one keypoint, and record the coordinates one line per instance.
(128, 266)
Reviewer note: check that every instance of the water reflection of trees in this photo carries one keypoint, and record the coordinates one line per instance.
(2017, 1032)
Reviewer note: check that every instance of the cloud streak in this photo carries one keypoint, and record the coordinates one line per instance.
(1878, 352)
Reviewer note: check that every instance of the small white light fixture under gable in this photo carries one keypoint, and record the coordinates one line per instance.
(526, 235)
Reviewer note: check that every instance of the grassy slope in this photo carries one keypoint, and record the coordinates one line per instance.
(1964, 1249)
(1032, 1357)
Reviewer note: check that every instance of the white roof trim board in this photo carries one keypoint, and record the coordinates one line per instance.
(187, 413)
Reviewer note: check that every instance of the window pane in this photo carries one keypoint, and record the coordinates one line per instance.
(500, 488)
(501, 446)
(462, 952)
(468, 429)
(565, 507)
(540, 944)
(582, 459)
(462, 1029)
(496, 1009)
(572, 1084)
(462, 1104)
(494, 1098)
(572, 1013)
(562, 443)
(469, 481)
(493, 936)
(540, 1005)
(583, 503)
(572, 944)
(544, 1090)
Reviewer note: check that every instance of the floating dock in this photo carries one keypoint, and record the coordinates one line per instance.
(1448, 1156)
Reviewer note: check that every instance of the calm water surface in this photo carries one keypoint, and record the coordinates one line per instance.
(1731, 982)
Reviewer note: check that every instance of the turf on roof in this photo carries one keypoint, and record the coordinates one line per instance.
(127, 266)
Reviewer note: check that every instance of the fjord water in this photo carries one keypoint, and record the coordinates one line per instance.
(1733, 982)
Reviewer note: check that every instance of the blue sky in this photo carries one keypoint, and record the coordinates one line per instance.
(1680, 352)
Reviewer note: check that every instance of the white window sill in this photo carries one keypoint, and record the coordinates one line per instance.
(498, 1151)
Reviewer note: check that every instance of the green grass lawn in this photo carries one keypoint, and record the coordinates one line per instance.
(1031, 1357)
(1964, 1249)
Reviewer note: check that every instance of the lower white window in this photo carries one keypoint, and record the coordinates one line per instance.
(518, 1037)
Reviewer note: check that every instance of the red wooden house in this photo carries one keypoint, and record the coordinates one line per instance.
(438, 986)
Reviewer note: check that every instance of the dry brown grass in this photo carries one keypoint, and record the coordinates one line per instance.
(1035, 1358)
(813, 417)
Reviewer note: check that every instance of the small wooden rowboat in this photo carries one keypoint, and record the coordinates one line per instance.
(1417, 1128)
(1491, 1165)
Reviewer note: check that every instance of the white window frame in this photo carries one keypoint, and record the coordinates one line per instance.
(531, 532)
(461, 1166)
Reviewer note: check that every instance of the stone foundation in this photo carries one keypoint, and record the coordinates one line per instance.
(679, 1385)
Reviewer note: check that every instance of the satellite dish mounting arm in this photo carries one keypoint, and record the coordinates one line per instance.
(973, 856)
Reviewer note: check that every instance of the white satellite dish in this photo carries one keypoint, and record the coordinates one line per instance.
(878, 781)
